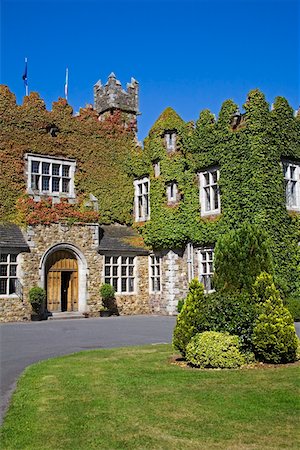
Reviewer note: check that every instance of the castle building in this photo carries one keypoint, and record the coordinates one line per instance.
(82, 204)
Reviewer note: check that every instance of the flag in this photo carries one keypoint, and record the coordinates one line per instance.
(24, 77)
(67, 84)
(25, 74)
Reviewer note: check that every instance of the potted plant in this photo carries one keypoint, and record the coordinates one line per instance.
(107, 293)
(37, 299)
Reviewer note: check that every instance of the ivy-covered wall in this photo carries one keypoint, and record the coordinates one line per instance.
(100, 148)
(251, 178)
(108, 160)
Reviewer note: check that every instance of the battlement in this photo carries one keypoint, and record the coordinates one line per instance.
(112, 96)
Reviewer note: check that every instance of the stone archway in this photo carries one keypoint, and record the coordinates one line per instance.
(63, 272)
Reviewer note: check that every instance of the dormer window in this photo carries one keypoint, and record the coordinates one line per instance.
(172, 192)
(50, 176)
(170, 141)
(141, 199)
(209, 192)
(291, 172)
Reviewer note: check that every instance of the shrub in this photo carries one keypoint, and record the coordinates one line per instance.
(298, 350)
(233, 312)
(180, 304)
(293, 305)
(240, 256)
(274, 337)
(37, 298)
(189, 320)
(107, 293)
(215, 350)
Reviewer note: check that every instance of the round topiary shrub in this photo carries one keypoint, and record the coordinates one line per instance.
(212, 349)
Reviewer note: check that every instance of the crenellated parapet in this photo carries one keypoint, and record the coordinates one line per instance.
(112, 96)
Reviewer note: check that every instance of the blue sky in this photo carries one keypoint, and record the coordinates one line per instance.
(187, 54)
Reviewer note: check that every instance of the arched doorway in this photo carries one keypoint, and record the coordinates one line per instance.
(62, 281)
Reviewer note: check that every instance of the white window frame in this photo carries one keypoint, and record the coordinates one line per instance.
(40, 159)
(142, 199)
(209, 191)
(116, 274)
(155, 274)
(291, 173)
(170, 141)
(10, 262)
(172, 192)
(206, 267)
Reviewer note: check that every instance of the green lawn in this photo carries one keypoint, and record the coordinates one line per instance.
(133, 398)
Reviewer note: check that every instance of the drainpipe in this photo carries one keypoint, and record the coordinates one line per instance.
(190, 262)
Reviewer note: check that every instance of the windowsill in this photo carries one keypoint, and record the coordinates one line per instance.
(50, 194)
(9, 296)
(295, 209)
(125, 293)
(142, 219)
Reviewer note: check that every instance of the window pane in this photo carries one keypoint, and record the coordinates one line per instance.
(123, 285)
(115, 260)
(13, 270)
(107, 280)
(55, 169)
(130, 270)
(3, 257)
(107, 271)
(45, 183)
(35, 166)
(3, 270)
(35, 181)
(55, 184)
(13, 258)
(123, 260)
(115, 284)
(123, 271)
(65, 171)
(131, 260)
(130, 284)
(65, 185)
(45, 168)
(12, 285)
(3, 284)
(115, 271)
(214, 177)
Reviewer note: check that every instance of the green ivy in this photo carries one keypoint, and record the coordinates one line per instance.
(251, 179)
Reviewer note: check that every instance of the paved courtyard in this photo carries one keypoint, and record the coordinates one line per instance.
(22, 344)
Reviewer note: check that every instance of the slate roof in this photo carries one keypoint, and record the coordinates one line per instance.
(11, 237)
(121, 239)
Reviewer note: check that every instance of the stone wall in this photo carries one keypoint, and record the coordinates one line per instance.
(174, 282)
(13, 309)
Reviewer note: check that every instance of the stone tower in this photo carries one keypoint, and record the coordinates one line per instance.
(112, 97)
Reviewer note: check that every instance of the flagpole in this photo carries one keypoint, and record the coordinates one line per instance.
(67, 84)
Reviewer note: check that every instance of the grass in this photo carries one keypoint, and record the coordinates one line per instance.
(133, 398)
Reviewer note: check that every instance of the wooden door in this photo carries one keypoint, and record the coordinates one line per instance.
(54, 290)
(58, 266)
